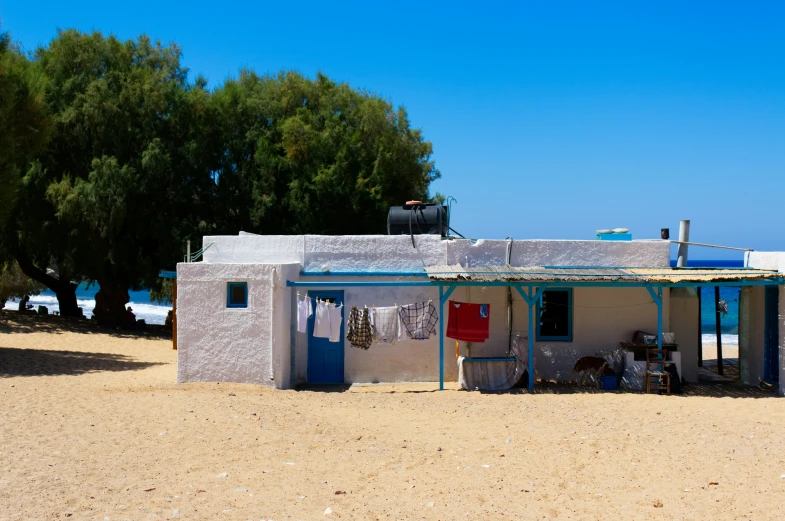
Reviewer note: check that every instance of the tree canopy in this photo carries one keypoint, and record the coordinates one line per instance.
(312, 156)
(24, 123)
(141, 159)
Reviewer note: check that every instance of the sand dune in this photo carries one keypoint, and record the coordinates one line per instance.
(94, 427)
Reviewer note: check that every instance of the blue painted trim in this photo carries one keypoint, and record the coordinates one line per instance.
(564, 338)
(531, 338)
(442, 300)
(568, 284)
(614, 236)
(165, 274)
(685, 268)
(363, 274)
(236, 305)
(441, 336)
(491, 359)
(349, 284)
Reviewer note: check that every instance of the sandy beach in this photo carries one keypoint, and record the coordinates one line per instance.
(94, 427)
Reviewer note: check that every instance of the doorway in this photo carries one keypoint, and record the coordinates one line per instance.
(325, 358)
(771, 338)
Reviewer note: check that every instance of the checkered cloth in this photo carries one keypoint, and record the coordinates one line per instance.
(360, 330)
(385, 322)
(419, 320)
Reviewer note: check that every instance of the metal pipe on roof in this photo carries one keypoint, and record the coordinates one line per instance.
(684, 237)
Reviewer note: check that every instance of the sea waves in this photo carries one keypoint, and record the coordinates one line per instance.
(727, 340)
(151, 313)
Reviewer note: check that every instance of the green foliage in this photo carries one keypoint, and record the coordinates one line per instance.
(24, 125)
(121, 176)
(312, 156)
(141, 159)
(15, 284)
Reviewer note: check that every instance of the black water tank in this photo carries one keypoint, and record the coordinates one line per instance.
(417, 219)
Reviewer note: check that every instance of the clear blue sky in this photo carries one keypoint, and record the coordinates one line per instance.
(548, 119)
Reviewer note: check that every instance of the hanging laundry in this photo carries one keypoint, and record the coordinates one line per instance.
(386, 325)
(468, 322)
(304, 311)
(336, 317)
(419, 320)
(360, 332)
(321, 325)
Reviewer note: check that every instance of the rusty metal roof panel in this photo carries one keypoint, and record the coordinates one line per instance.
(457, 273)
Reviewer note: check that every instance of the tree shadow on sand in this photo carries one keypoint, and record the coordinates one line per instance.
(15, 322)
(39, 362)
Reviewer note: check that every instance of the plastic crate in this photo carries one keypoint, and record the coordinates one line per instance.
(609, 383)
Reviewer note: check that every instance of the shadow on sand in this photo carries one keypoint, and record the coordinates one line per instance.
(713, 390)
(38, 362)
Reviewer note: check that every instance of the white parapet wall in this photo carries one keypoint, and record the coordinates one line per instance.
(244, 345)
(396, 253)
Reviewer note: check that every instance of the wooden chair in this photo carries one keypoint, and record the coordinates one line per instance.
(657, 378)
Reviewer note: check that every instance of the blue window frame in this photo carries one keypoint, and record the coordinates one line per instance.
(236, 294)
(554, 310)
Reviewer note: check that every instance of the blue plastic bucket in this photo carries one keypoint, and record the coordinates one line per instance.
(609, 383)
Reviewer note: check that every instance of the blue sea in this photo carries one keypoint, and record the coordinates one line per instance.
(730, 322)
(85, 296)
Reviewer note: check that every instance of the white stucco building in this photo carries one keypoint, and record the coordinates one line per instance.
(611, 289)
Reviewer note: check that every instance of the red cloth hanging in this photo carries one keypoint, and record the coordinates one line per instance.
(468, 322)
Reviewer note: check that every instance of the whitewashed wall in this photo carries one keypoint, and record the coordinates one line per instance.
(752, 318)
(220, 344)
(684, 323)
(602, 318)
(245, 345)
(407, 361)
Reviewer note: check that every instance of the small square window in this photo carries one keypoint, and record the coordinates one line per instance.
(237, 295)
(555, 315)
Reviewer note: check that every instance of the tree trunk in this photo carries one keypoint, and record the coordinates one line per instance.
(110, 304)
(65, 290)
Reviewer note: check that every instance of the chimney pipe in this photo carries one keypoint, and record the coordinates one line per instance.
(684, 236)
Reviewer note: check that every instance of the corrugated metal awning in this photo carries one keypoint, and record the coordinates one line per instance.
(457, 273)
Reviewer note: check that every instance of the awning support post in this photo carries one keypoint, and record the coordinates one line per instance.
(531, 301)
(656, 295)
(442, 299)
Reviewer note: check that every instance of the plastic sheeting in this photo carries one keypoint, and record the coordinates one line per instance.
(482, 375)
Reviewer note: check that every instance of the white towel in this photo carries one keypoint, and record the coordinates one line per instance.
(304, 311)
(336, 317)
(321, 326)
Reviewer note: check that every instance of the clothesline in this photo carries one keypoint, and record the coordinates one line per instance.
(317, 299)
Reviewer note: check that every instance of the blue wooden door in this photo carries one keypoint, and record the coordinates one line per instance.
(771, 336)
(325, 358)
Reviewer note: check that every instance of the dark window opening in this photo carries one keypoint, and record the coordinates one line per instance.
(555, 315)
(237, 295)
